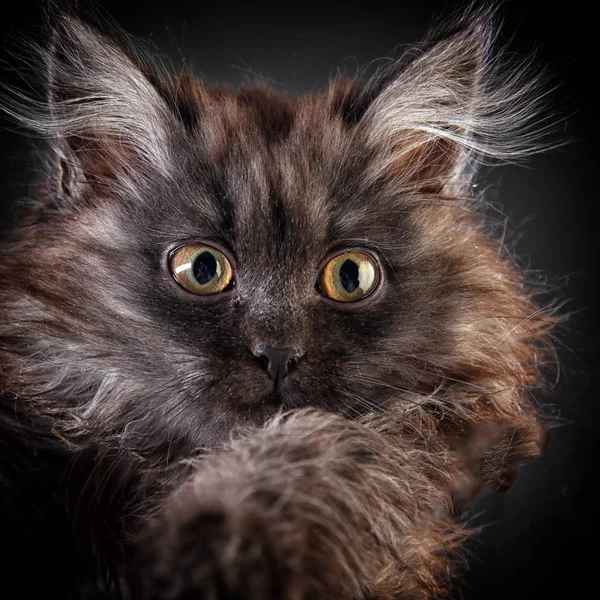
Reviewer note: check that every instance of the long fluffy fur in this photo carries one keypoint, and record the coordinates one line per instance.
(310, 505)
(422, 393)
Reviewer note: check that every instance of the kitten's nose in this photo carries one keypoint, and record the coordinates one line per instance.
(278, 362)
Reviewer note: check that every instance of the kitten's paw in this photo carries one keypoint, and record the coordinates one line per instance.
(213, 556)
(491, 455)
(518, 444)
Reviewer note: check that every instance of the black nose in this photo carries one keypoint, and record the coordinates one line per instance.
(278, 362)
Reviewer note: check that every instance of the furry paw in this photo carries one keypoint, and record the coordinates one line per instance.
(214, 556)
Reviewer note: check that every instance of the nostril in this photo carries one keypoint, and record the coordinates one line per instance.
(292, 363)
(278, 362)
(263, 360)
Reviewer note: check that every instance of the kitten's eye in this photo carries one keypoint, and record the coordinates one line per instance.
(201, 269)
(349, 277)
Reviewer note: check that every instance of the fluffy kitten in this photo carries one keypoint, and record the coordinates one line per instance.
(201, 258)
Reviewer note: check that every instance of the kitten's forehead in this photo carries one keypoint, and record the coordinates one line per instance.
(277, 160)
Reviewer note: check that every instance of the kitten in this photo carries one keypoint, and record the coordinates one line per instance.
(255, 345)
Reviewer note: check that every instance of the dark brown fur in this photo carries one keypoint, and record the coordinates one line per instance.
(141, 403)
(280, 512)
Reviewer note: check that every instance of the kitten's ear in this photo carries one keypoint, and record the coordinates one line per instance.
(106, 118)
(437, 113)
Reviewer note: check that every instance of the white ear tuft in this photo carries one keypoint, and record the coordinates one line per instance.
(451, 108)
(104, 114)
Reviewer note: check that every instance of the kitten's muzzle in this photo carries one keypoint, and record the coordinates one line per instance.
(278, 362)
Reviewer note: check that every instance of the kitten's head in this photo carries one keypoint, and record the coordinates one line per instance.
(201, 256)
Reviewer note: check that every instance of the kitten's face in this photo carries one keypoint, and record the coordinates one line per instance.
(279, 208)
(121, 354)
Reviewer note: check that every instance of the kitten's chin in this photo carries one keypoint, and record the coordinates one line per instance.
(273, 398)
(280, 398)
(253, 407)
(256, 414)
(265, 396)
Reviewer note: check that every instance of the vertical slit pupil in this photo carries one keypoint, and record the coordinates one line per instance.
(349, 278)
(205, 267)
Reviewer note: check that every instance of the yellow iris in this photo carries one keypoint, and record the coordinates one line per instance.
(350, 276)
(200, 269)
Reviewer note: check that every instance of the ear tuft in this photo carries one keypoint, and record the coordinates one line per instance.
(107, 111)
(105, 115)
(451, 105)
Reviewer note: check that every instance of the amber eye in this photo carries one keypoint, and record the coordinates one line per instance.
(349, 277)
(200, 269)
